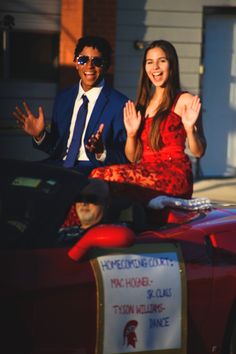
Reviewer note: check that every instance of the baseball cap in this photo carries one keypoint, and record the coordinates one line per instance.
(95, 192)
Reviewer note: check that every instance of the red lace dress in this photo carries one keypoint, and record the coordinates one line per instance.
(167, 171)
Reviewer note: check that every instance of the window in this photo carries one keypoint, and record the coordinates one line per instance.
(31, 56)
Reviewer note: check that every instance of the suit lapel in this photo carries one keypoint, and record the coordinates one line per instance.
(97, 111)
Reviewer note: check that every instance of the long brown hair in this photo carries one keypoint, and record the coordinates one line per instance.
(145, 92)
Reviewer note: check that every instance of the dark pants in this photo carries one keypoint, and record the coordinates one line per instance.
(84, 167)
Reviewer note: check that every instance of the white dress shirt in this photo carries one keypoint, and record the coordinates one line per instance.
(92, 96)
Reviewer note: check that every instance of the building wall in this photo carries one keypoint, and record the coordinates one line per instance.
(71, 28)
(41, 16)
(81, 18)
(30, 16)
(100, 19)
(180, 22)
(33, 14)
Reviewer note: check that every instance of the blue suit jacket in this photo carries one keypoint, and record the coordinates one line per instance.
(108, 109)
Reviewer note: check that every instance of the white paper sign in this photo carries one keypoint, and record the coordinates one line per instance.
(142, 301)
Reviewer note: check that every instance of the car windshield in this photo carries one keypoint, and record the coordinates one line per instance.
(34, 200)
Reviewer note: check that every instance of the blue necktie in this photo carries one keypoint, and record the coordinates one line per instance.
(77, 134)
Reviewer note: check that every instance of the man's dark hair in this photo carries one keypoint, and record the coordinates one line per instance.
(99, 43)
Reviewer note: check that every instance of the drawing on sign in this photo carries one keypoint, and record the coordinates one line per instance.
(130, 337)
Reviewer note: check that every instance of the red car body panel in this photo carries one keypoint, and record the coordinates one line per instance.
(48, 301)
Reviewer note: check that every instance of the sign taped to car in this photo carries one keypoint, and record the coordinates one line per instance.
(141, 300)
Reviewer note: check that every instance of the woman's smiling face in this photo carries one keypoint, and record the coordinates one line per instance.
(157, 67)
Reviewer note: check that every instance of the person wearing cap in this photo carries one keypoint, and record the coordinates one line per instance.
(87, 128)
(89, 210)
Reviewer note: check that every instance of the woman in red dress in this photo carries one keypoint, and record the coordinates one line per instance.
(157, 129)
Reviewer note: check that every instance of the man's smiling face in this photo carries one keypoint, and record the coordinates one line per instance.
(90, 73)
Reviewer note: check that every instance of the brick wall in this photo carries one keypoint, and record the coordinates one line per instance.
(79, 18)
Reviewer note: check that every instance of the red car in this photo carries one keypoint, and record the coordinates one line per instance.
(151, 281)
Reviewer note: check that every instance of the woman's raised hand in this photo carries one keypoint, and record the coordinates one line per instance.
(31, 124)
(191, 112)
(132, 119)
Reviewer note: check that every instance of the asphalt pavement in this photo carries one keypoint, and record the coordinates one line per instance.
(216, 189)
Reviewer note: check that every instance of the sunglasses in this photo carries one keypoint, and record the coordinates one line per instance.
(97, 61)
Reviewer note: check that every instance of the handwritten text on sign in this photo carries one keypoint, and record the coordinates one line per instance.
(142, 302)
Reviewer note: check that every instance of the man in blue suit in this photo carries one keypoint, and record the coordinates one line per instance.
(87, 128)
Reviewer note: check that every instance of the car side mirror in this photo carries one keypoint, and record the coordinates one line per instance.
(103, 236)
